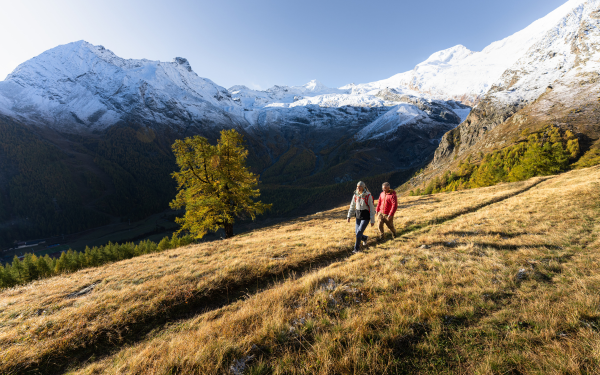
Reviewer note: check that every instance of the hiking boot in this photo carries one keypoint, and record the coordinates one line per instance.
(364, 241)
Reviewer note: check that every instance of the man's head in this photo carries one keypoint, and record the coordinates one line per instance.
(385, 187)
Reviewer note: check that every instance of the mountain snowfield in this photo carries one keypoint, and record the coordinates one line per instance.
(81, 87)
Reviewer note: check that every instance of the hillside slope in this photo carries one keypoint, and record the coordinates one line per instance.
(471, 271)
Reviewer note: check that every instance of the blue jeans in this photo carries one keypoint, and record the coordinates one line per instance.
(361, 226)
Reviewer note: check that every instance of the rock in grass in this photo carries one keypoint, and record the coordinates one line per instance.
(521, 275)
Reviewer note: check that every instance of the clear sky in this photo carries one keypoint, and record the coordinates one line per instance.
(260, 43)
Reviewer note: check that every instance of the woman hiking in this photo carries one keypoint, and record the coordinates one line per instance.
(362, 207)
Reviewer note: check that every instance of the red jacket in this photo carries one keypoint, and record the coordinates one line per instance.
(388, 203)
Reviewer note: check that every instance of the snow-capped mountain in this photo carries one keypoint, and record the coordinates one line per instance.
(572, 42)
(460, 74)
(79, 86)
(281, 95)
(554, 82)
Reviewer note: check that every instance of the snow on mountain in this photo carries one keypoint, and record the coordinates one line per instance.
(457, 73)
(573, 42)
(281, 96)
(452, 74)
(82, 86)
(399, 115)
(553, 82)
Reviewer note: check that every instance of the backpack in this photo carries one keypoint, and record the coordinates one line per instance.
(366, 199)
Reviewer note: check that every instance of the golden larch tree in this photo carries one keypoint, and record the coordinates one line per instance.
(214, 185)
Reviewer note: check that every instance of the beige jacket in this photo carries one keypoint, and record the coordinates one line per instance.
(361, 202)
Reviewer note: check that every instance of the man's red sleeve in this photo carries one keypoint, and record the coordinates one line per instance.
(378, 204)
(394, 204)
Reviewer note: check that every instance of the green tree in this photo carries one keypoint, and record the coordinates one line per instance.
(17, 269)
(63, 263)
(30, 266)
(7, 278)
(214, 185)
(44, 266)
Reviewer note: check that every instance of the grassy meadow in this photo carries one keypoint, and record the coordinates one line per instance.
(495, 280)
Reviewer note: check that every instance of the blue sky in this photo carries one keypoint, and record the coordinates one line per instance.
(262, 43)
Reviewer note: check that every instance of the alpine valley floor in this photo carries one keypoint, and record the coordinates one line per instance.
(500, 280)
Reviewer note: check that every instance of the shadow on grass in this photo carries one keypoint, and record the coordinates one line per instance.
(495, 246)
(504, 235)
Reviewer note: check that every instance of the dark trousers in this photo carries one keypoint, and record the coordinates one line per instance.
(361, 226)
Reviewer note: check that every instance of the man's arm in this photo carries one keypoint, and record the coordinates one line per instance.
(394, 205)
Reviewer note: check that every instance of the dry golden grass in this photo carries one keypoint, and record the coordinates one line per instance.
(508, 287)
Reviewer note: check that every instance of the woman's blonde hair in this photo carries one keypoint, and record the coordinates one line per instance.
(361, 183)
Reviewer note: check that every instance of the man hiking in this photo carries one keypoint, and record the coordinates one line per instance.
(363, 208)
(386, 208)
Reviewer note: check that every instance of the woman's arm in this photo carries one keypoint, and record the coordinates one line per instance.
(352, 209)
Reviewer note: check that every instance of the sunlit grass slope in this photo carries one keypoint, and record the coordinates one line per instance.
(490, 280)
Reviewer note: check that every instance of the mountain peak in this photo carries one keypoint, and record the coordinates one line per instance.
(448, 56)
(314, 85)
(183, 62)
(82, 86)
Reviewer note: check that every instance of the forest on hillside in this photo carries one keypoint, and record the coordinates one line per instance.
(550, 150)
(44, 192)
(38, 192)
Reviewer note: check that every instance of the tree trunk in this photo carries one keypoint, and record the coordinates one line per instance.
(228, 230)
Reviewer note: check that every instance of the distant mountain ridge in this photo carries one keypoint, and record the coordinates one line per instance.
(80, 86)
